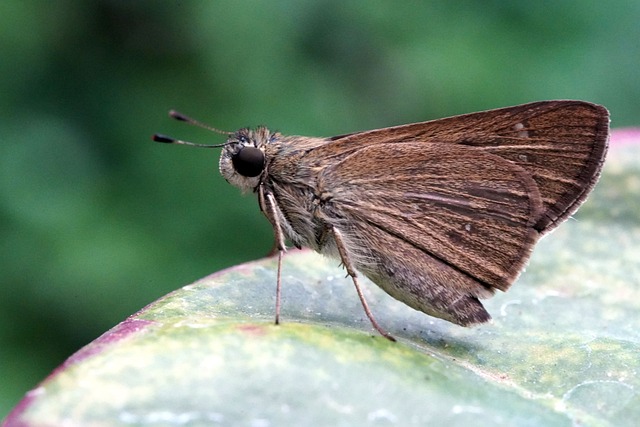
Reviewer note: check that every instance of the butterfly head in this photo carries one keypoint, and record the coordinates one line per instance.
(243, 161)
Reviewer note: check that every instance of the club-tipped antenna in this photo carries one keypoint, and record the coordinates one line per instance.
(170, 140)
(183, 118)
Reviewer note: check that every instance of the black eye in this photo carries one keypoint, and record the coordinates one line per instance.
(249, 161)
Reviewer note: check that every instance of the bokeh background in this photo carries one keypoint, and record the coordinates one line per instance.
(97, 221)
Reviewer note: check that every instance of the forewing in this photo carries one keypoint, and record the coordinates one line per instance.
(560, 144)
(471, 210)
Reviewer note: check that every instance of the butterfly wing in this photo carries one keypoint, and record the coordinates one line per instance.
(474, 212)
(561, 145)
(442, 228)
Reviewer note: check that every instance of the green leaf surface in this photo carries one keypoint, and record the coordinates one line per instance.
(563, 348)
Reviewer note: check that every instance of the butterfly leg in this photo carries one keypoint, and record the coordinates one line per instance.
(277, 229)
(354, 277)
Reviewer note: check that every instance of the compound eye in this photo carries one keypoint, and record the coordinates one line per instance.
(249, 161)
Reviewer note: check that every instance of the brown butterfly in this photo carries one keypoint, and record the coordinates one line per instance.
(439, 214)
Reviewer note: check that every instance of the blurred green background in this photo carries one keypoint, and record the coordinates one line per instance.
(97, 221)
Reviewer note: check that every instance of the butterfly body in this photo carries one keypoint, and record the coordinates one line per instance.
(439, 214)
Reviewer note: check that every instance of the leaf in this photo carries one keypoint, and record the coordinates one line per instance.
(563, 348)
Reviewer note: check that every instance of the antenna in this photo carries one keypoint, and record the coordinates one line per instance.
(183, 118)
(179, 116)
(169, 140)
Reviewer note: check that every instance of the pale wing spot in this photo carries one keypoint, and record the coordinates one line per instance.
(519, 128)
